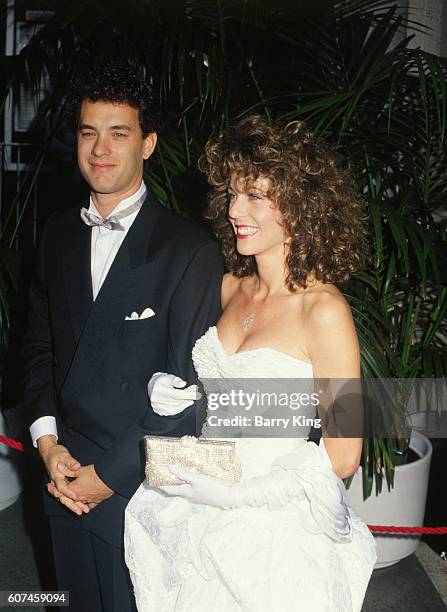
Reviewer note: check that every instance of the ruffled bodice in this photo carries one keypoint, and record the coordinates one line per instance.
(212, 361)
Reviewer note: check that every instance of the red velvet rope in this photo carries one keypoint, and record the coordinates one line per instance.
(409, 530)
(12, 443)
(374, 528)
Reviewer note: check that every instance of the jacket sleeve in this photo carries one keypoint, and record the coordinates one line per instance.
(195, 306)
(39, 395)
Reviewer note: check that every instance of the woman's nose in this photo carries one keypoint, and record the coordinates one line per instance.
(238, 206)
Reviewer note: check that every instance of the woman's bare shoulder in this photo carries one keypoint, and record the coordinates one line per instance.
(330, 335)
(325, 304)
(230, 284)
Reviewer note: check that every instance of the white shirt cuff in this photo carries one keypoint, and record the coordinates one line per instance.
(44, 426)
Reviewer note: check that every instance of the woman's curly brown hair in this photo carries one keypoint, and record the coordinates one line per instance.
(321, 214)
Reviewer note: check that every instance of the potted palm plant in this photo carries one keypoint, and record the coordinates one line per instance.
(385, 107)
(348, 72)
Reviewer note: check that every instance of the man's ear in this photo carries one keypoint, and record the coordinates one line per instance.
(149, 144)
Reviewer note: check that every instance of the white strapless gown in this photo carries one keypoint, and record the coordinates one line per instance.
(187, 557)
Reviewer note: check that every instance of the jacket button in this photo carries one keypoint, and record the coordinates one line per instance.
(124, 386)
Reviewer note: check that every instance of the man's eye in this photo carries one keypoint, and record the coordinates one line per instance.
(87, 134)
(120, 135)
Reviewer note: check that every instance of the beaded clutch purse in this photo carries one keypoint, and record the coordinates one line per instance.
(212, 457)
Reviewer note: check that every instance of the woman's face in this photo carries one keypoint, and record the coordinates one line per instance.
(256, 220)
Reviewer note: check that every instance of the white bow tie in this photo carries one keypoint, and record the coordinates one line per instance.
(112, 222)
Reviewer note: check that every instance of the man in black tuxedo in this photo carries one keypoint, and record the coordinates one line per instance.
(121, 290)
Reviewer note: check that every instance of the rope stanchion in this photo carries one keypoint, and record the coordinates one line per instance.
(373, 528)
(12, 443)
(407, 530)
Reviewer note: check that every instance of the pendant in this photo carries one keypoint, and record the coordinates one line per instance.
(248, 321)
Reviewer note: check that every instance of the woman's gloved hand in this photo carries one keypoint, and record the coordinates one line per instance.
(169, 395)
(297, 476)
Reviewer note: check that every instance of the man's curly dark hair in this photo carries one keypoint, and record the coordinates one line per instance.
(321, 213)
(114, 82)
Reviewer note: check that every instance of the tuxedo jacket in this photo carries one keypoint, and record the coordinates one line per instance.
(89, 367)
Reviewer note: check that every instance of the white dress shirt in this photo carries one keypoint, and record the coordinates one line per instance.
(105, 244)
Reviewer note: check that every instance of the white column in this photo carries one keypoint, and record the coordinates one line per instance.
(433, 14)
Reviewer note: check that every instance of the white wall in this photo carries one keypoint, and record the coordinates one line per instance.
(432, 13)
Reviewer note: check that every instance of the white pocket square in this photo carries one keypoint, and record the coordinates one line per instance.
(147, 312)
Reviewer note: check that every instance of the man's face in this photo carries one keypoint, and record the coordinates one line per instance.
(111, 147)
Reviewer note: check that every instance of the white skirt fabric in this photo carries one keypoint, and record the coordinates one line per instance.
(188, 557)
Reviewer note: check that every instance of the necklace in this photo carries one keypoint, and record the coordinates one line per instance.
(248, 321)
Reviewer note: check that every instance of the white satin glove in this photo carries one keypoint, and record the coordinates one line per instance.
(293, 477)
(168, 395)
(272, 489)
(202, 489)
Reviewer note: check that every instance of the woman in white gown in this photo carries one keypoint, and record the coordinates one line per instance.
(283, 539)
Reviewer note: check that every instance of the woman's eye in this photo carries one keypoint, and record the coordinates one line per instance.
(254, 196)
(230, 196)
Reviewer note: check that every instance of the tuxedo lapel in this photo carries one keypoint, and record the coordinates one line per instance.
(115, 299)
(77, 276)
(142, 239)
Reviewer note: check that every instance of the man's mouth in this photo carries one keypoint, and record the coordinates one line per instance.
(96, 166)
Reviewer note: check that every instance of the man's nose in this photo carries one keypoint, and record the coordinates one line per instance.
(101, 146)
